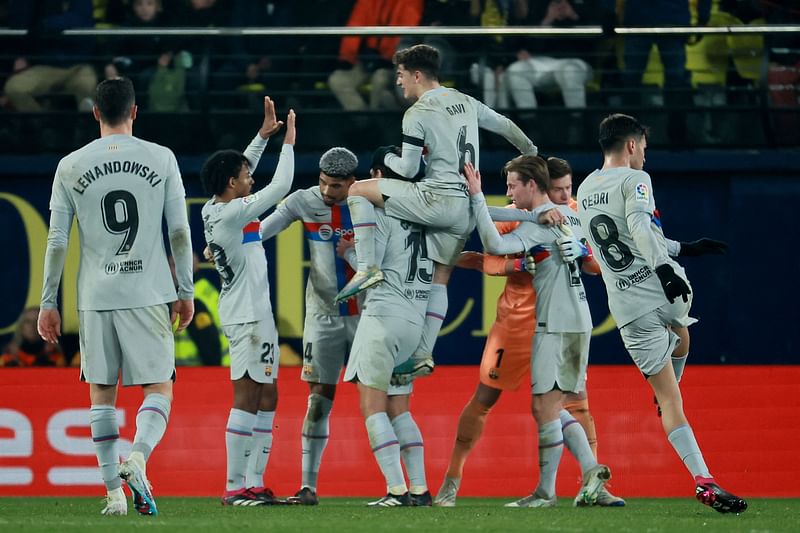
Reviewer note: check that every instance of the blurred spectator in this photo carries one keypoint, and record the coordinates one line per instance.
(672, 49)
(256, 64)
(489, 72)
(202, 342)
(783, 75)
(151, 62)
(537, 70)
(64, 67)
(27, 348)
(445, 13)
(368, 59)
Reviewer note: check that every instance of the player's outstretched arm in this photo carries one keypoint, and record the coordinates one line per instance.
(256, 204)
(493, 242)
(269, 126)
(702, 247)
(491, 120)
(547, 215)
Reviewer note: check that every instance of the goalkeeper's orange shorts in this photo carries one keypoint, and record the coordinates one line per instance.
(506, 357)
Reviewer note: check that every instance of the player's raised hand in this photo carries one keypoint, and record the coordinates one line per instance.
(271, 124)
(49, 325)
(473, 177)
(552, 217)
(673, 285)
(291, 129)
(183, 309)
(702, 247)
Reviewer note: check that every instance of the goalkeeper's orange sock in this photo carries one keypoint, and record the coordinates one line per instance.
(470, 427)
(580, 410)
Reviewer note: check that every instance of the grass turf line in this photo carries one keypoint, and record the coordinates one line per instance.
(350, 514)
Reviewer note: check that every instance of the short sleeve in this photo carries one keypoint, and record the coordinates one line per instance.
(413, 132)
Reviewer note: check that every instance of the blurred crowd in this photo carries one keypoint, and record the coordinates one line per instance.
(45, 70)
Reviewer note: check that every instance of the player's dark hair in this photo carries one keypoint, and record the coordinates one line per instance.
(421, 57)
(218, 168)
(114, 99)
(558, 168)
(616, 129)
(529, 167)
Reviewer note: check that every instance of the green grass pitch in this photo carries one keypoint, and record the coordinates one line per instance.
(350, 515)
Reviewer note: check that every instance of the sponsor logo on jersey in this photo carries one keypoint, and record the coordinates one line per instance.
(634, 279)
(124, 267)
(642, 193)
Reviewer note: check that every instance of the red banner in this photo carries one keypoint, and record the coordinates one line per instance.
(744, 417)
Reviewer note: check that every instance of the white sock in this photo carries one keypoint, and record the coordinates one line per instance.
(678, 364)
(314, 438)
(434, 317)
(386, 449)
(412, 451)
(682, 439)
(238, 438)
(551, 446)
(362, 214)
(576, 441)
(105, 435)
(261, 444)
(151, 423)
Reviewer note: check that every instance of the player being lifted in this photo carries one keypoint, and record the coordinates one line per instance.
(563, 328)
(120, 189)
(648, 292)
(329, 328)
(230, 221)
(442, 125)
(389, 331)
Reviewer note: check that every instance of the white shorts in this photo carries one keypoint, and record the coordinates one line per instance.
(326, 341)
(254, 350)
(447, 219)
(649, 339)
(559, 360)
(381, 343)
(139, 342)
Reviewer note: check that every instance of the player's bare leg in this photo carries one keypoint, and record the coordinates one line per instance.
(412, 448)
(680, 435)
(470, 428)
(105, 435)
(363, 197)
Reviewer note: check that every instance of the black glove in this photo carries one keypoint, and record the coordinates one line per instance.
(672, 284)
(380, 155)
(702, 247)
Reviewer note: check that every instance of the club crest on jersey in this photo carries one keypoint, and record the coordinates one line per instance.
(642, 193)
(325, 232)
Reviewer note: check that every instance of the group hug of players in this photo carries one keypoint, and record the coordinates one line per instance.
(382, 251)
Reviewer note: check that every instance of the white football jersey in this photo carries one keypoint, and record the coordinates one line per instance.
(232, 231)
(445, 122)
(120, 188)
(323, 226)
(605, 199)
(561, 305)
(401, 251)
